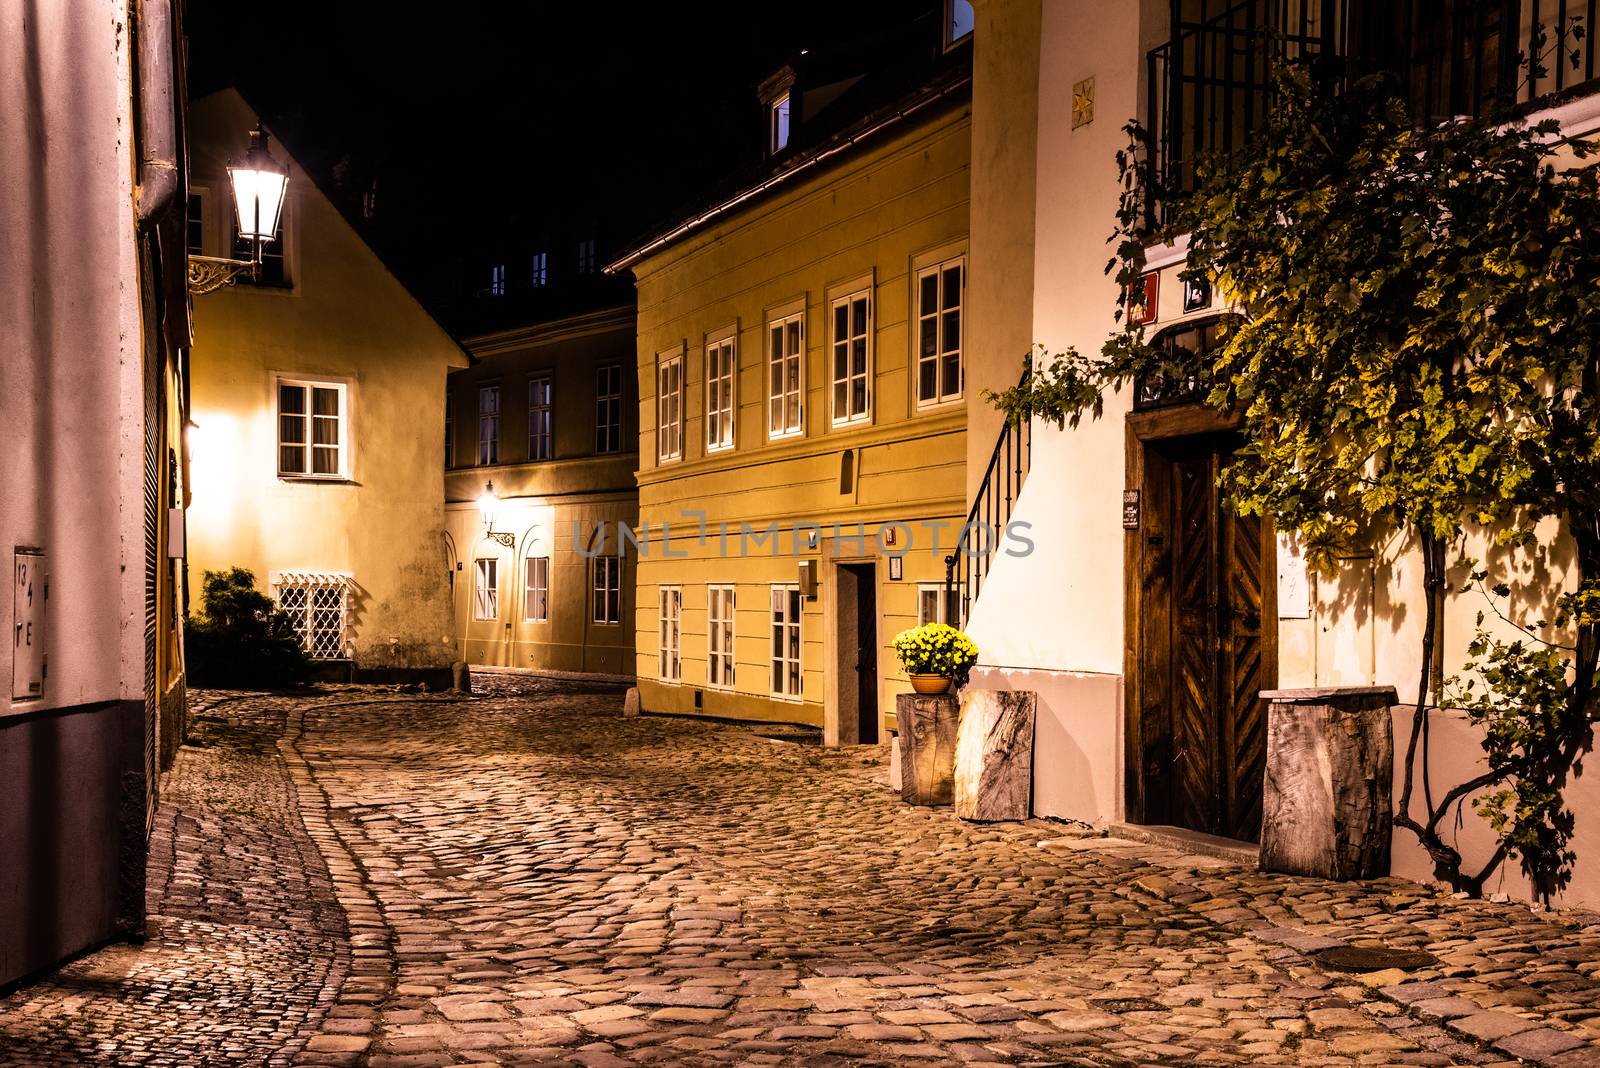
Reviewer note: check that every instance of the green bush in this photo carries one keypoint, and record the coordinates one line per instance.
(240, 640)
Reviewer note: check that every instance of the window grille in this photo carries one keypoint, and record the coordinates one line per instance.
(318, 604)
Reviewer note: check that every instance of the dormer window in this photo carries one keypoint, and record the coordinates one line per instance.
(541, 269)
(778, 124)
(497, 280)
(958, 21)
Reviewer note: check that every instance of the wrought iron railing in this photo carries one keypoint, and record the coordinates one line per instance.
(990, 515)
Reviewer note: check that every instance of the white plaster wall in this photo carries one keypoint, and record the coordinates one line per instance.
(70, 411)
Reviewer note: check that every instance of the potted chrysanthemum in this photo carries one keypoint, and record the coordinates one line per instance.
(934, 655)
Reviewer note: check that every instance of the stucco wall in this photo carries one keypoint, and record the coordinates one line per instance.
(346, 317)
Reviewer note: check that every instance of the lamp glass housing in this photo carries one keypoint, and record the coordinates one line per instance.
(486, 505)
(259, 184)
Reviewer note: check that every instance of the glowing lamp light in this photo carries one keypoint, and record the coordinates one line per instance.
(259, 183)
(488, 504)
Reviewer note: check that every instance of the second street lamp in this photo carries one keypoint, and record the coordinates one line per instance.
(260, 184)
(487, 504)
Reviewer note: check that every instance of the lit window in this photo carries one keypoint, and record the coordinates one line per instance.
(669, 407)
(939, 298)
(669, 664)
(778, 114)
(786, 640)
(608, 409)
(934, 605)
(607, 589)
(541, 269)
(196, 224)
(785, 391)
(852, 356)
(541, 428)
(486, 589)
(317, 604)
(536, 589)
(312, 421)
(449, 432)
(489, 425)
(719, 637)
(586, 256)
(497, 280)
(720, 368)
(958, 20)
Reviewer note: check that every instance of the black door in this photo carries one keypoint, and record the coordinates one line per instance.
(866, 591)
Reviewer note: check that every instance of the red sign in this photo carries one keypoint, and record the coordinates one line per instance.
(1143, 313)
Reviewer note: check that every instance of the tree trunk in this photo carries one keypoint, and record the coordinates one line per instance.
(927, 747)
(994, 755)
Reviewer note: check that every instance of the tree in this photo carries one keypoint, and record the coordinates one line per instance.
(1412, 346)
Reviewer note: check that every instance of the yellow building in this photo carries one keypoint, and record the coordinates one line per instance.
(800, 364)
(316, 402)
(545, 415)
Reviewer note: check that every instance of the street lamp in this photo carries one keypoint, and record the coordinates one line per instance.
(260, 184)
(487, 504)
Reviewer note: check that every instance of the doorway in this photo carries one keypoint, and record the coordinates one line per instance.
(857, 651)
(1203, 643)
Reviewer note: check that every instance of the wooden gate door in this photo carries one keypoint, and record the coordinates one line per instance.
(1206, 653)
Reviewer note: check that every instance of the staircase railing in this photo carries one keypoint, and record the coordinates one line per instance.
(980, 537)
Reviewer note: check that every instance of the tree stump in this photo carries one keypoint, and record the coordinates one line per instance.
(994, 755)
(927, 747)
(1330, 776)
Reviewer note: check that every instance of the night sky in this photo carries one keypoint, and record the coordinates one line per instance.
(493, 127)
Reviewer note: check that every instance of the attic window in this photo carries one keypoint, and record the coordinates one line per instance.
(778, 123)
(958, 21)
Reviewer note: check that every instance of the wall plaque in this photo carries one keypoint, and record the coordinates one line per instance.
(1130, 510)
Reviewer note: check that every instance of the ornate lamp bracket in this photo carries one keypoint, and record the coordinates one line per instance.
(210, 273)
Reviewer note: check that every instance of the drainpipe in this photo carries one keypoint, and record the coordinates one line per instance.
(158, 110)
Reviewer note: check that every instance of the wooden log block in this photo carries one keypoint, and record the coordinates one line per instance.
(927, 747)
(1327, 805)
(994, 755)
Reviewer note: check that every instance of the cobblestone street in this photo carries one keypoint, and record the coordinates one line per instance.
(525, 877)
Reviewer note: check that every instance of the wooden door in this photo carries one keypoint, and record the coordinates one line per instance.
(866, 639)
(1203, 658)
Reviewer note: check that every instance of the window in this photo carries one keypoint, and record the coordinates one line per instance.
(273, 272)
(536, 589)
(786, 348)
(607, 589)
(786, 640)
(778, 123)
(934, 606)
(196, 224)
(669, 409)
(541, 269)
(541, 430)
(586, 256)
(852, 359)
(939, 293)
(449, 432)
(608, 409)
(719, 637)
(488, 425)
(486, 589)
(720, 370)
(670, 664)
(312, 417)
(958, 20)
(497, 280)
(317, 604)
(369, 201)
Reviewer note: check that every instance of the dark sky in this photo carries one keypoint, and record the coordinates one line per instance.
(488, 124)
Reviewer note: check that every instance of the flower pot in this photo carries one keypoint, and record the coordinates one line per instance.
(928, 685)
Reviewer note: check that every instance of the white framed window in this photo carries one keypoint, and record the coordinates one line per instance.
(940, 291)
(540, 275)
(497, 280)
(851, 339)
(313, 429)
(670, 663)
(449, 431)
(195, 222)
(541, 425)
(959, 21)
(586, 256)
(608, 409)
(607, 589)
(786, 376)
(318, 605)
(786, 674)
(934, 606)
(536, 589)
(719, 637)
(778, 124)
(486, 588)
(669, 406)
(721, 368)
(488, 424)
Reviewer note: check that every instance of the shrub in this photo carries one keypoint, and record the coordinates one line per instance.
(936, 649)
(240, 639)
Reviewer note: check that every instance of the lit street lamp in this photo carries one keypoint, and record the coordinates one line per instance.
(260, 184)
(487, 504)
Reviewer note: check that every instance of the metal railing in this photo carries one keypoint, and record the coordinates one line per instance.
(987, 519)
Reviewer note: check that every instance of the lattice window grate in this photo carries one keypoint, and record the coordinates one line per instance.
(319, 605)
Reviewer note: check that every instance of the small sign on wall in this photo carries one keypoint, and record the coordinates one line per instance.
(1294, 580)
(28, 664)
(1130, 509)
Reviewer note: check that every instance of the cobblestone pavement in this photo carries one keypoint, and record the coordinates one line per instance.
(529, 878)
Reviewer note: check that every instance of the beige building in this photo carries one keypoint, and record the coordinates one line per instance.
(802, 407)
(316, 406)
(546, 416)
